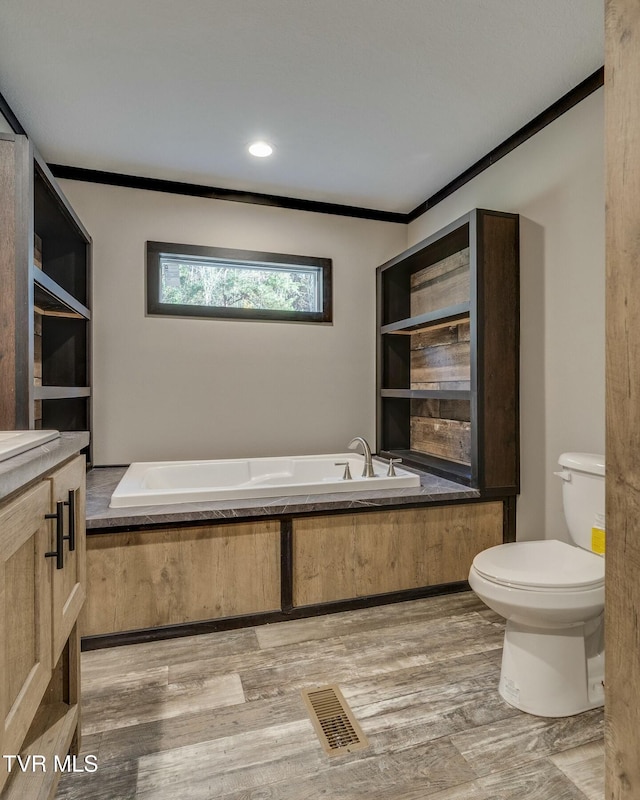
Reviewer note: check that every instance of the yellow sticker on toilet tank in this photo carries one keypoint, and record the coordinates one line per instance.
(597, 540)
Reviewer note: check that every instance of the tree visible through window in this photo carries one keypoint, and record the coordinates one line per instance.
(229, 285)
(199, 281)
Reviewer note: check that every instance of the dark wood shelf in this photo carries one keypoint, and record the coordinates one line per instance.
(440, 317)
(448, 316)
(60, 392)
(428, 394)
(45, 266)
(50, 297)
(62, 292)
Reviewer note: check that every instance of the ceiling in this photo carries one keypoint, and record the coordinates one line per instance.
(373, 103)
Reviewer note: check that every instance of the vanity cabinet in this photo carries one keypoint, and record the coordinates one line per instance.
(42, 554)
(448, 353)
(45, 317)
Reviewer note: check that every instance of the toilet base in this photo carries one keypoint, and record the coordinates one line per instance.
(555, 672)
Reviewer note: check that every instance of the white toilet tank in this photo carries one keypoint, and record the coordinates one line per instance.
(583, 498)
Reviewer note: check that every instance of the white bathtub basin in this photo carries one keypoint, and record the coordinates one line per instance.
(160, 482)
(12, 443)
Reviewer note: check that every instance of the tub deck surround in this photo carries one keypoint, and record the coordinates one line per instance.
(102, 482)
(166, 571)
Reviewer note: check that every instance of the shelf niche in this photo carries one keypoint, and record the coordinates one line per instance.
(61, 315)
(448, 353)
(64, 251)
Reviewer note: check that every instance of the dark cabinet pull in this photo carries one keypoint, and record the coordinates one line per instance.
(71, 538)
(59, 518)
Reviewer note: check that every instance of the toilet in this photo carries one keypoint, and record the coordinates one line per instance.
(552, 597)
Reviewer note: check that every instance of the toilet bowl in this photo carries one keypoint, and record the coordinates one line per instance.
(552, 596)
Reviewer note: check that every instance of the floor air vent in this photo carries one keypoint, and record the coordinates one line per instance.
(333, 721)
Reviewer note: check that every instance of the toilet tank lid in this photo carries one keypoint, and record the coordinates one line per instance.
(591, 463)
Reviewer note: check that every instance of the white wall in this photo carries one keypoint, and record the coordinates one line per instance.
(169, 388)
(556, 182)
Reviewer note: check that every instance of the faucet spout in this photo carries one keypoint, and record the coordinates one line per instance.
(367, 472)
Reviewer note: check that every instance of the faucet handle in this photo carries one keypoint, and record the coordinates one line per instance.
(391, 472)
(347, 471)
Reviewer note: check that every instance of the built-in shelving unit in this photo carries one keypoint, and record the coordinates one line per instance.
(62, 394)
(45, 266)
(448, 344)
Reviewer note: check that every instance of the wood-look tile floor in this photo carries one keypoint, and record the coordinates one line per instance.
(220, 716)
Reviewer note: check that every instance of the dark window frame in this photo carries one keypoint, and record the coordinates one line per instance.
(156, 308)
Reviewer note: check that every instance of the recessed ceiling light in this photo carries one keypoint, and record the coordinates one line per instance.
(260, 149)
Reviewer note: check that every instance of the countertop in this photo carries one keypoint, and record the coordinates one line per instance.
(103, 480)
(17, 472)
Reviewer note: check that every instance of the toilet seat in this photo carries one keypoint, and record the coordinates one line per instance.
(547, 565)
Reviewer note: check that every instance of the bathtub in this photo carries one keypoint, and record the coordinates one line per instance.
(164, 482)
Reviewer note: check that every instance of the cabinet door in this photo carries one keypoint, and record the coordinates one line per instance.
(25, 615)
(68, 486)
(358, 555)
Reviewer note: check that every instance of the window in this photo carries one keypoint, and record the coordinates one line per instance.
(185, 280)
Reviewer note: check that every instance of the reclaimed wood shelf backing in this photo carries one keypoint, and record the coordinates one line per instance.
(445, 283)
